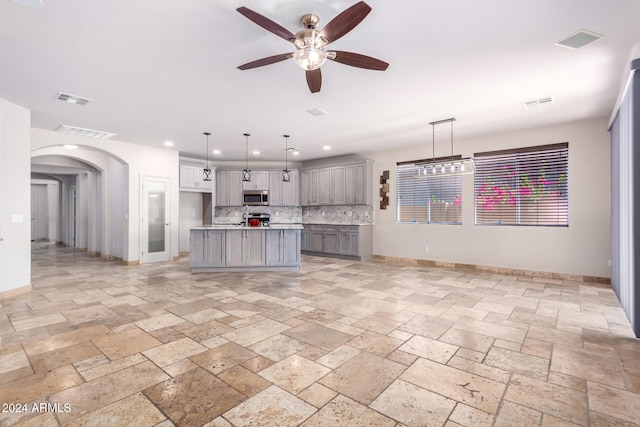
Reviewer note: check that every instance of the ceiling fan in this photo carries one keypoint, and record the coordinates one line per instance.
(310, 43)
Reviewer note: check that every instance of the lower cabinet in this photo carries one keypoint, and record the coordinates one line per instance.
(283, 247)
(244, 249)
(348, 241)
(207, 248)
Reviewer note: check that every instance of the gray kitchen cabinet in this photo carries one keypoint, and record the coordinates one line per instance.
(324, 186)
(305, 237)
(338, 185)
(291, 190)
(284, 193)
(207, 248)
(331, 241)
(192, 179)
(229, 188)
(345, 241)
(245, 247)
(259, 181)
(309, 187)
(348, 241)
(349, 184)
(283, 247)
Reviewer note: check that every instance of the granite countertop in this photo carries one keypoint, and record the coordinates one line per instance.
(231, 226)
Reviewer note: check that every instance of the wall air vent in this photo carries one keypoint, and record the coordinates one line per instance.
(578, 39)
(74, 130)
(71, 99)
(534, 103)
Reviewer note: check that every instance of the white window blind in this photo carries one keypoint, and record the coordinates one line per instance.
(526, 186)
(427, 199)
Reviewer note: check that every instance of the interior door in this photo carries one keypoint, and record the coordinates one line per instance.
(72, 216)
(156, 220)
(33, 216)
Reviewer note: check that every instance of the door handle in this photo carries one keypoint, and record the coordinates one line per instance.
(168, 223)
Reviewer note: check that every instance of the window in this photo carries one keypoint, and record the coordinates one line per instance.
(426, 198)
(527, 186)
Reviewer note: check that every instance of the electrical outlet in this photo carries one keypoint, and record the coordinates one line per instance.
(426, 248)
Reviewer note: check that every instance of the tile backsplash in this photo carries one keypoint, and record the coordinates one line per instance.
(348, 214)
(279, 214)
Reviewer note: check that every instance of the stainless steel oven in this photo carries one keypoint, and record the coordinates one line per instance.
(255, 198)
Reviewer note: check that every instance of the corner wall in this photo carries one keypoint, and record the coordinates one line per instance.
(15, 194)
(582, 249)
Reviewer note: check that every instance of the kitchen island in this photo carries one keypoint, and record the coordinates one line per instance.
(233, 247)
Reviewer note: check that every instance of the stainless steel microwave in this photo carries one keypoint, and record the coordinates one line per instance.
(255, 198)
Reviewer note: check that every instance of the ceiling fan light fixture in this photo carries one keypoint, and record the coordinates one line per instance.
(310, 58)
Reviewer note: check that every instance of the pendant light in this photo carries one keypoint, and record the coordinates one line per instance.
(207, 171)
(286, 173)
(246, 173)
(453, 166)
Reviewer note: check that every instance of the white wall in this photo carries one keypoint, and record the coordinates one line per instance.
(140, 161)
(190, 216)
(583, 248)
(15, 194)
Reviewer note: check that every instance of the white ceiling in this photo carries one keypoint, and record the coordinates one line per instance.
(160, 70)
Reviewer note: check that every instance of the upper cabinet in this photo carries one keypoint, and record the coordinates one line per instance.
(283, 193)
(192, 179)
(259, 181)
(229, 188)
(349, 184)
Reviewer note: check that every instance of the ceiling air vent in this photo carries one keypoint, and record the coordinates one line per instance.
(579, 39)
(534, 103)
(73, 130)
(317, 112)
(71, 99)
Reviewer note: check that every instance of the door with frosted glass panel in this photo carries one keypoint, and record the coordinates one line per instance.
(156, 220)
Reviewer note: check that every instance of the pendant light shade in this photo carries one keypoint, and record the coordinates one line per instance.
(246, 173)
(455, 165)
(207, 171)
(286, 173)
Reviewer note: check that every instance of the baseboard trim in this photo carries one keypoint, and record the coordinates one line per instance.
(16, 292)
(605, 281)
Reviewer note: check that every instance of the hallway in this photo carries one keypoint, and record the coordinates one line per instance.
(339, 343)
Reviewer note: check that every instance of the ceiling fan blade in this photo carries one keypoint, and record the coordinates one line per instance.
(266, 61)
(267, 23)
(345, 21)
(314, 80)
(358, 60)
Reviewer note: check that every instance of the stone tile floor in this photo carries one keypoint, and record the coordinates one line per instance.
(340, 343)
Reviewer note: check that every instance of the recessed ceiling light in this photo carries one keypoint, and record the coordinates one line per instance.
(72, 99)
(74, 130)
(217, 151)
(256, 152)
(326, 147)
(295, 153)
(578, 39)
(70, 146)
(168, 144)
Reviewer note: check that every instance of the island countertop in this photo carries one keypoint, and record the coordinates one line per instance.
(235, 226)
